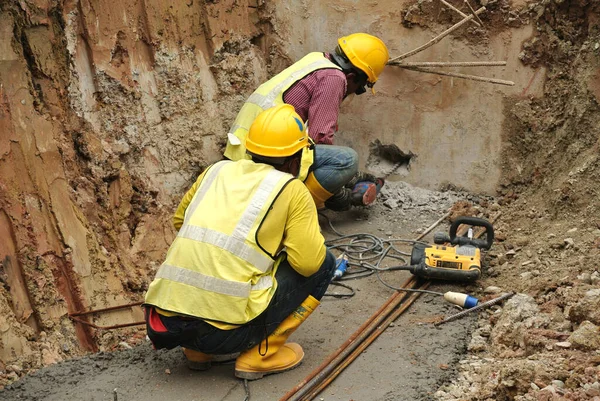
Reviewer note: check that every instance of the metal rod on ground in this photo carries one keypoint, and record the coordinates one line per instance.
(376, 321)
(473, 11)
(332, 361)
(464, 76)
(246, 390)
(110, 308)
(439, 37)
(476, 308)
(116, 326)
(450, 6)
(434, 225)
(448, 63)
(363, 345)
(329, 364)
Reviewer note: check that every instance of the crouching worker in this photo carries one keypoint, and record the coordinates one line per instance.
(249, 263)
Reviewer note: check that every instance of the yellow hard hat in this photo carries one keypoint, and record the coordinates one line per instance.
(366, 52)
(277, 132)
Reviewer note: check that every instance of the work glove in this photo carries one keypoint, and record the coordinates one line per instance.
(360, 176)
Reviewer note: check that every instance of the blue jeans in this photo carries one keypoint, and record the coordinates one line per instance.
(334, 166)
(292, 290)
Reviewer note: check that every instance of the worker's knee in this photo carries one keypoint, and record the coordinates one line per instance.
(324, 276)
(334, 166)
(349, 159)
(328, 265)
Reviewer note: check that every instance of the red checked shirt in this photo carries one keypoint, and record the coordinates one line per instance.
(317, 98)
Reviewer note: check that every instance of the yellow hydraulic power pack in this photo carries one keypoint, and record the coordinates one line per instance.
(452, 257)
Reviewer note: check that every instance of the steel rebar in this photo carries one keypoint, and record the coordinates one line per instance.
(448, 63)
(476, 308)
(335, 363)
(110, 308)
(473, 11)
(363, 345)
(439, 37)
(332, 360)
(463, 76)
(450, 6)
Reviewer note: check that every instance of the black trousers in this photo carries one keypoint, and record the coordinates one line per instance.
(196, 334)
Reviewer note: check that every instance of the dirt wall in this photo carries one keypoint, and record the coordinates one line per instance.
(108, 110)
(454, 126)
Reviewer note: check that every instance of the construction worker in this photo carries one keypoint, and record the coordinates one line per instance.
(316, 86)
(249, 263)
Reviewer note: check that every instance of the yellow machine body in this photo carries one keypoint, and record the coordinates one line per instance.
(453, 257)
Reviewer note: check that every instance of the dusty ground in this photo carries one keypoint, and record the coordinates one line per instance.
(85, 199)
(409, 361)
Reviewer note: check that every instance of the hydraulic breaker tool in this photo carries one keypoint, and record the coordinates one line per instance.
(452, 257)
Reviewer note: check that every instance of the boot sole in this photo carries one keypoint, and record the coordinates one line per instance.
(199, 366)
(217, 360)
(240, 374)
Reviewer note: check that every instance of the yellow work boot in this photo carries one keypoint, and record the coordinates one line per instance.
(278, 356)
(200, 361)
(197, 360)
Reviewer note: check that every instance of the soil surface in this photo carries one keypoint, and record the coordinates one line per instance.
(96, 112)
(408, 361)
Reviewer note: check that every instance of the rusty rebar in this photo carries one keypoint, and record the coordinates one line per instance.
(367, 326)
(110, 308)
(476, 308)
(434, 225)
(328, 367)
(75, 317)
(473, 11)
(363, 345)
(450, 6)
(463, 76)
(448, 63)
(372, 327)
(439, 37)
(116, 326)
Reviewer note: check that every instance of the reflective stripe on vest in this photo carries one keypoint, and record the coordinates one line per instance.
(267, 101)
(215, 269)
(268, 95)
(212, 284)
(235, 243)
(209, 177)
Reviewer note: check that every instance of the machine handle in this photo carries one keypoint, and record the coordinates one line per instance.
(474, 222)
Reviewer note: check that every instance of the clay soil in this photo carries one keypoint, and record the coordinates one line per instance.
(542, 344)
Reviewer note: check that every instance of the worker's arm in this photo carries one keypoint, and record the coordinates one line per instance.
(324, 106)
(302, 235)
(185, 202)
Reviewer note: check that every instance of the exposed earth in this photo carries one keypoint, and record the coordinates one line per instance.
(97, 102)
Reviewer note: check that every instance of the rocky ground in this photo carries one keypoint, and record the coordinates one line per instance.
(410, 359)
(542, 344)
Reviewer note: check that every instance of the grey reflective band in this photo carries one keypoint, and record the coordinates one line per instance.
(212, 284)
(235, 246)
(261, 195)
(236, 242)
(235, 128)
(209, 177)
(263, 283)
(267, 101)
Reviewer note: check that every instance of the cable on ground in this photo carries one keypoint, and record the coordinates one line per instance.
(365, 254)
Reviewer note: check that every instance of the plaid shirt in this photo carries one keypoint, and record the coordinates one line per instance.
(317, 98)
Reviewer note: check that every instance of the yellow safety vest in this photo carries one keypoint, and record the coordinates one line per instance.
(268, 95)
(215, 269)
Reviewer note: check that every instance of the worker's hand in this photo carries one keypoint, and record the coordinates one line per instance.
(359, 177)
